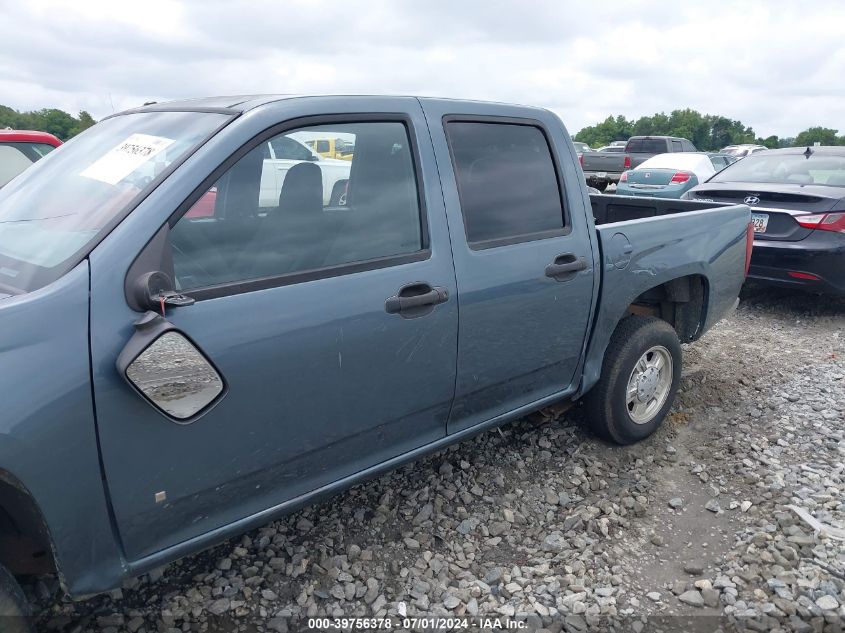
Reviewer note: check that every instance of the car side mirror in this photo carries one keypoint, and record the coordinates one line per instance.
(169, 371)
(154, 291)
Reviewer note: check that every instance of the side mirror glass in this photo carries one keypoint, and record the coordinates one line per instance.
(175, 376)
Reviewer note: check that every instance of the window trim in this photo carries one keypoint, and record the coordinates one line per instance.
(337, 270)
(561, 184)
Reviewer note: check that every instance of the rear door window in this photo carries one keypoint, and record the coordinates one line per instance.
(677, 146)
(507, 182)
(646, 146)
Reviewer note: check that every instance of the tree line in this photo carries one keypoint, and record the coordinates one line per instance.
(708, 132)
(57, 122)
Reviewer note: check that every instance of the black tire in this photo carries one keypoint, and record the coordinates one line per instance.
(607, 404)
(14, 610)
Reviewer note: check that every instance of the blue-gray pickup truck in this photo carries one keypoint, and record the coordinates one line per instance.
(201, 329)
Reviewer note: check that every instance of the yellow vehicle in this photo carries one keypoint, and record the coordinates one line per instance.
(332, 148)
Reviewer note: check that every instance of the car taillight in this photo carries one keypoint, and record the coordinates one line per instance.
(823, 221)
(623, 177)
(627, 163)
(805, 276)
(680, 176)
(749, 246)
(581, 159)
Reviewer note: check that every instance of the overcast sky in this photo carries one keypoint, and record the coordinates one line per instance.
(775, 65)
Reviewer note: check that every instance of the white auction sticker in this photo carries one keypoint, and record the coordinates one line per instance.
(128, 156)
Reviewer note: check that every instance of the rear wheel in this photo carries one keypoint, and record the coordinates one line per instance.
(640, 376)
(14, 611)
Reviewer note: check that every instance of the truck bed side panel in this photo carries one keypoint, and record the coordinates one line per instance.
(640, 254)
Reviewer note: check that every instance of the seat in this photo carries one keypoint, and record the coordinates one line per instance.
(383, 212)
(210, 251)
(302, 192)
(293, 233)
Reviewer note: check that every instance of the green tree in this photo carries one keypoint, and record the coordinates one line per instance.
(83, 121)
(52, 120)
(650, 125)
(772, 142)
(823, 135)
(611, 129)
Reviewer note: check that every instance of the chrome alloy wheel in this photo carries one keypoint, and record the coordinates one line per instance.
(649, 384)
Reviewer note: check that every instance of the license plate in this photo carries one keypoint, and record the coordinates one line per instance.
(759, 221)
(601, 174)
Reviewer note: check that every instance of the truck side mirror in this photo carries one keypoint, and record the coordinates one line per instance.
(169, 371)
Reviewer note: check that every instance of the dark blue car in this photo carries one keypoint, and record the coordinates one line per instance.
(797, 199)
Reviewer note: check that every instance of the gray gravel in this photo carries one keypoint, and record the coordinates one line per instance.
(543, 522)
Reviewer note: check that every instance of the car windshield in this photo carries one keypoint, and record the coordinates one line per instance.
(52, 212)
(580, 147)
(792, 169)
(736, 151)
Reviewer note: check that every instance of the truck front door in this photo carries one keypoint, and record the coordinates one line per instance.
(322, 357)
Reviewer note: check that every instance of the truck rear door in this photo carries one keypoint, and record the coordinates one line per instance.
(523, 256)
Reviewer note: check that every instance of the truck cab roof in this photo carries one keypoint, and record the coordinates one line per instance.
(238, 104)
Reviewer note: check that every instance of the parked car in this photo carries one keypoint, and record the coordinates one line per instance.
(721, 160)
(20, 148)
(669, 175)
(743, 150)
(618, 143)
(247, 363)
(797, 196)
(602, 168)
(580, 148)
(641, 148)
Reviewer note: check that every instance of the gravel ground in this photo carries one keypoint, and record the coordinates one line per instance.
(540, 522)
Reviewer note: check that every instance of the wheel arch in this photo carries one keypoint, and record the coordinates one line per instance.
(26, 545)
(682, 300)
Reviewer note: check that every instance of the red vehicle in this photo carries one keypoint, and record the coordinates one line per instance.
(20, 148)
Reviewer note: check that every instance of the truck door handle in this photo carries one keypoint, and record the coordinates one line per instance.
(416, 299)
(565, 266)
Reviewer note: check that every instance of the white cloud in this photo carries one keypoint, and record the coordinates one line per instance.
(775, 65)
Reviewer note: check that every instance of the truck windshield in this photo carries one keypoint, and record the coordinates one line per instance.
(52, 213)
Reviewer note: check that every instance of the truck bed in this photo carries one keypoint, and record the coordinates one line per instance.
(611, 208)
(640, 249)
